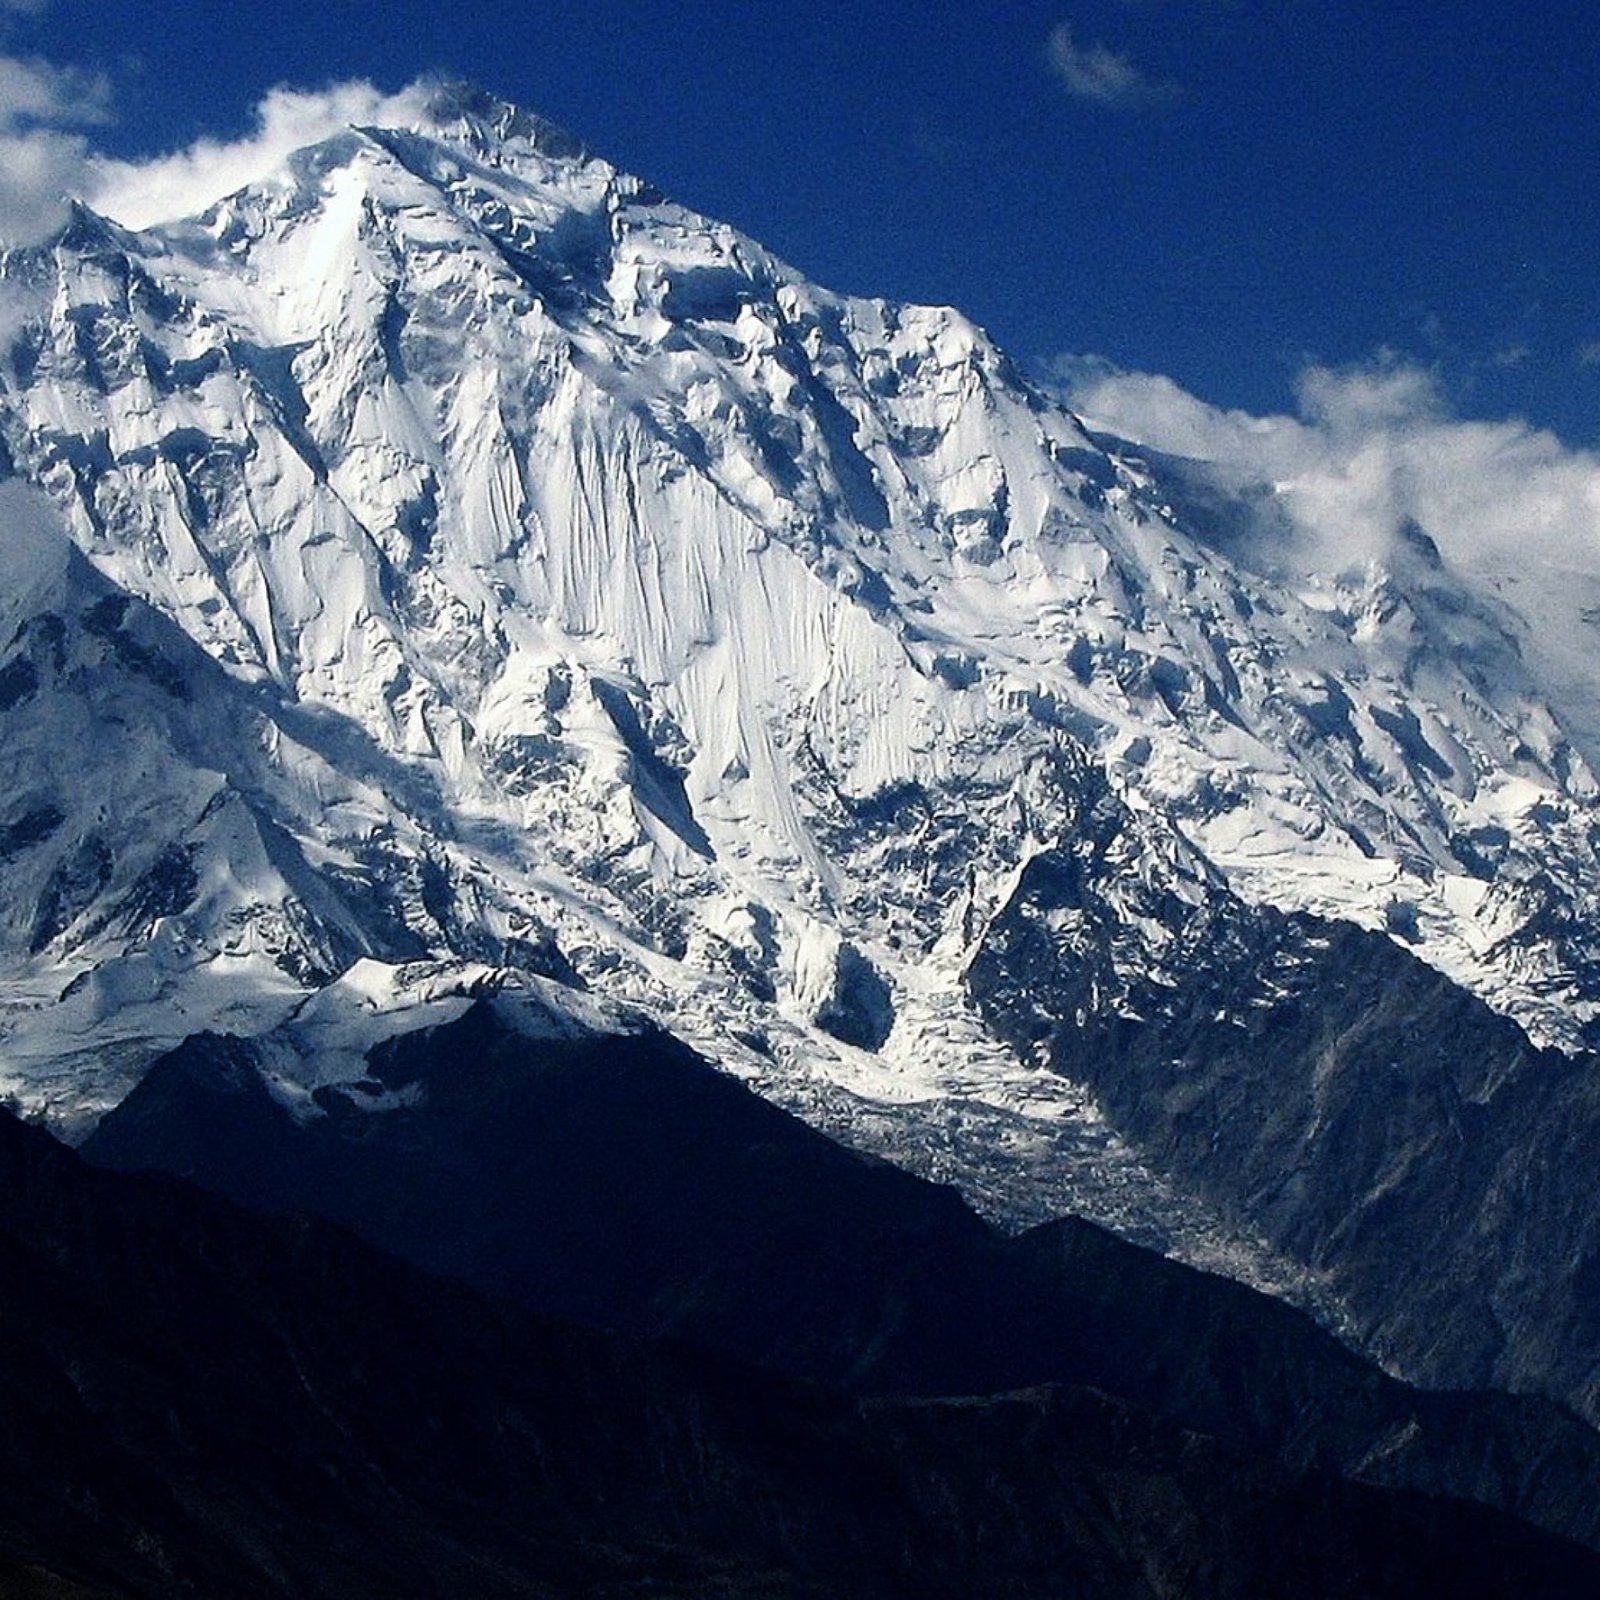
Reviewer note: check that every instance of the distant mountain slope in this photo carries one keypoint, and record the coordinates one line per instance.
(1321, 1084)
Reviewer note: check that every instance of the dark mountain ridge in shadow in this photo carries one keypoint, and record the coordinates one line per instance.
(622, 1182)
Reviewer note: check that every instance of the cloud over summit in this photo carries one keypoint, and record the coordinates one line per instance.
(139, 194)
(42, 153)
(47, 156)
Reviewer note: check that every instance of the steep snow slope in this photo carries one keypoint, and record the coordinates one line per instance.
(560, 581)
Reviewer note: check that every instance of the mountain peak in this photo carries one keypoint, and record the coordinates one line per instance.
(467, 113)
(86, 232)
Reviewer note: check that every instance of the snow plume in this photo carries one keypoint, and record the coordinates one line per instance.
(42, 153)
(140, 193)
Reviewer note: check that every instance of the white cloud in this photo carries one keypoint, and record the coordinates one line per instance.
(1098, 74)
(37, 93)
(1375, 451)
(1371, 448)
(140, 193)
(39, 169)
(41, 156)
(46, 157)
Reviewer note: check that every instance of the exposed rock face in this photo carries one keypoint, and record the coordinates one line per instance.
(1319, 1083)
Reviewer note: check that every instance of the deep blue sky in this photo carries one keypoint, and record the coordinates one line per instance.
(1281, 181)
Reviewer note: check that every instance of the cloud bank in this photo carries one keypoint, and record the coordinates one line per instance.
(1370, 449)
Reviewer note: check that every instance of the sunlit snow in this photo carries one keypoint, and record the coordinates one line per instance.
(565, 580)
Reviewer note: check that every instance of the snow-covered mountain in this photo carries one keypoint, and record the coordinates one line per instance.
(449, 555)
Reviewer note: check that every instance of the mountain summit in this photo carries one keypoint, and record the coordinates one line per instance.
(448, 558)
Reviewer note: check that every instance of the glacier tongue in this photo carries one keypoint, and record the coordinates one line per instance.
(476, 557)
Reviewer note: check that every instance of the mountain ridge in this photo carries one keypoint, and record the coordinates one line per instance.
(202, 1400)
(619, 1181)
(470, 558)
